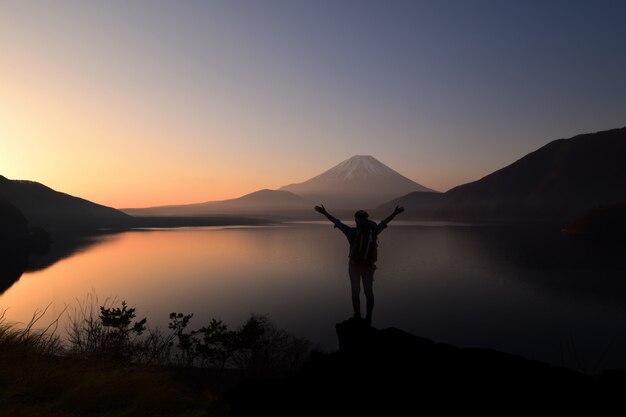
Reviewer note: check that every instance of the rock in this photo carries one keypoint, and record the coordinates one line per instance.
(388, 372)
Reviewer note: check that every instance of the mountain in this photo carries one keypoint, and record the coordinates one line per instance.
(267, 203)
(559, 181)
(17, 242)
(359, 182)
(12, 221)
(45, 207)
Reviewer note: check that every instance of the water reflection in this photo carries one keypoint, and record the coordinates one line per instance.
(520, 290)
(14, 262)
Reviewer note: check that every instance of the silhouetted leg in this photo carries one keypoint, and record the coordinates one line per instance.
(355, 284)
(368, 288)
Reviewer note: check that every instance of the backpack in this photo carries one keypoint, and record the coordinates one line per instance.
(364, 248)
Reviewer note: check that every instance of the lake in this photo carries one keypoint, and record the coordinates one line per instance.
(525, 290)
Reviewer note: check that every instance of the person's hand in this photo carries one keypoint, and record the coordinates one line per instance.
(398, 210)
(320, 209)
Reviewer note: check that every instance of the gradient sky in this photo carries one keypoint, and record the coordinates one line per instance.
(139, 103)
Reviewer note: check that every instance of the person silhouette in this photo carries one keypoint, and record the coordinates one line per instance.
(363, 240)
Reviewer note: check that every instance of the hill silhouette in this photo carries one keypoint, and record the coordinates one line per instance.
(17, 243)
(45, 207)
(559, 181)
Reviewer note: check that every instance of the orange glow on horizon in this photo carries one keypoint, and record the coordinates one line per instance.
(119, 150)
(85, 149)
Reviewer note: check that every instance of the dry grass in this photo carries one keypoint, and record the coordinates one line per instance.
(39, 376)
(107, 366)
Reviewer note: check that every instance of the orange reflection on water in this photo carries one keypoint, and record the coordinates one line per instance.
(216, 270)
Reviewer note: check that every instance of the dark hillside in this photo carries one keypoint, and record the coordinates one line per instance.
(45, 207)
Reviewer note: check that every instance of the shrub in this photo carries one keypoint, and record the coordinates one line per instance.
(111, 332)
(107, 335)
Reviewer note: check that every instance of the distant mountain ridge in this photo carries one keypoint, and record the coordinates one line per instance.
(358, 182)
(259, 203)
(361, 181)
(560, 180)
(43, 206)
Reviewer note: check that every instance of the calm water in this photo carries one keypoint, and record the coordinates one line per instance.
(519, 290)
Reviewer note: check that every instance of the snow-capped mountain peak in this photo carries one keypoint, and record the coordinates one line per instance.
(357, 167)
(361, 180)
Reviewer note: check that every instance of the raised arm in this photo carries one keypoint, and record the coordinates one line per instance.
(396, 211)
(321, 209)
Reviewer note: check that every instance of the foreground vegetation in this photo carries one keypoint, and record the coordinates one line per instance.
(109, 363)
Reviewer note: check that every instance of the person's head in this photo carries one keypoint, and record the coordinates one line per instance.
(361, 216)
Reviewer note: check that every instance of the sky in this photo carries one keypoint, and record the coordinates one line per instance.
(142, 103)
